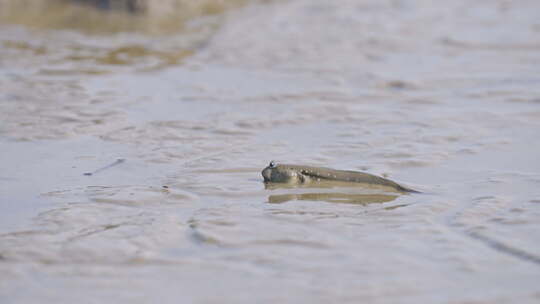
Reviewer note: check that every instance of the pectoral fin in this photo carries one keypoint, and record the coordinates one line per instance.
(302, 178)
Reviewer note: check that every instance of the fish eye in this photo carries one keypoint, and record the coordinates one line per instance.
(272, 164)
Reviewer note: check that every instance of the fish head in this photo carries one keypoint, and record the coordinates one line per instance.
(275, 173)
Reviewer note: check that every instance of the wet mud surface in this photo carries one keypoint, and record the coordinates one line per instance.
(131, 161)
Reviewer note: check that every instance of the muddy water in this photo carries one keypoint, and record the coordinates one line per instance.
(444, 99)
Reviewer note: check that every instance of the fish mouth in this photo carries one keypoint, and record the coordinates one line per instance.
(266, 174)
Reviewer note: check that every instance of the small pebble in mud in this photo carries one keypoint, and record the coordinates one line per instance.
(166, 187)
(398, 85)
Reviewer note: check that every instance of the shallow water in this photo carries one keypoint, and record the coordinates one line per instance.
(444, 99)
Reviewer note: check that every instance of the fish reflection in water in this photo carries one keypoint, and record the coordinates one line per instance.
(332, 197)
(332, 192)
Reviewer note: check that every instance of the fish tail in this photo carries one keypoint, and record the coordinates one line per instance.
(405, 189)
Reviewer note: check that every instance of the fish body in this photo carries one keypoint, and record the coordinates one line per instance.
(297, 174)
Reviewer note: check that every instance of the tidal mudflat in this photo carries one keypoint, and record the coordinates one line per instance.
(130, 161)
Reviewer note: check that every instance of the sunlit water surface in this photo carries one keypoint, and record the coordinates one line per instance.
(131, 162)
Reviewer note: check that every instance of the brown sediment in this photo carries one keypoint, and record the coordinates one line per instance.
(147, 16)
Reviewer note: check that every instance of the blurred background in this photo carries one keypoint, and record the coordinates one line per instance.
(106, 17)
(133, 134)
